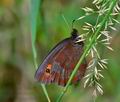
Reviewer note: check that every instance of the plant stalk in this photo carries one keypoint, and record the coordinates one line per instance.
(87, 49)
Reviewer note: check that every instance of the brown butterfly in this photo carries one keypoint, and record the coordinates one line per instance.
(60, 62)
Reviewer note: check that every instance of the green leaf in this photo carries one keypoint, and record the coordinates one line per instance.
(35, 5)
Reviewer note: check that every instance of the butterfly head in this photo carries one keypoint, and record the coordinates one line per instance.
(76, 37)
(74, 33)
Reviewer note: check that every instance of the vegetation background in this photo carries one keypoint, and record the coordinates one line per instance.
(17, 83)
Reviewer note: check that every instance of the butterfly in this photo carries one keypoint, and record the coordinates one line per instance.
(61, 61)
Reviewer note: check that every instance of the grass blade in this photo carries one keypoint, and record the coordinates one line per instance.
(35, 5)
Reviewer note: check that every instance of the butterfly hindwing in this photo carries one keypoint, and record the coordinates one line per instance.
(67, 59)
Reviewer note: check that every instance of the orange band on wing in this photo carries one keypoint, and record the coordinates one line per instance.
(49, 66)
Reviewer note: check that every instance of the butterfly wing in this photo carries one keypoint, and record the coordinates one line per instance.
(41, 74)
(66, 61)
(60, 62)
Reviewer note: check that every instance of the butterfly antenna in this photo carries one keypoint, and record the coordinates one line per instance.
(66, 22)
(73, 23)
(74, 31)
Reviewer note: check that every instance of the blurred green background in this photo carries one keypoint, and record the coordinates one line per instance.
(17, 83)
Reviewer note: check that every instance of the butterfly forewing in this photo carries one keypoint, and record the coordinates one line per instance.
(41, 73)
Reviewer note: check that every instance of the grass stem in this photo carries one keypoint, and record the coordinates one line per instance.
(106, 18)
